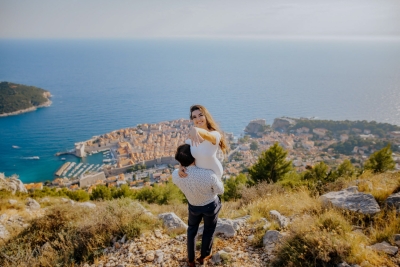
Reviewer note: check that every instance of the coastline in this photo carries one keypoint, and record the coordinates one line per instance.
(18, 112)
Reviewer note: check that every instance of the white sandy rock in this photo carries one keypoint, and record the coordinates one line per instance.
(87, 205)
(12, 201)
(3, 232)
(351, 199)
(172, 221)
(282, 220)
(32, 204)
(385, 247)
(224, 226)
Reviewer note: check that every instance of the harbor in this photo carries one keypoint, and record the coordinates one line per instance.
(74, 167)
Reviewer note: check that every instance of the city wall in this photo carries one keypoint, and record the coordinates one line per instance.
(91, 179)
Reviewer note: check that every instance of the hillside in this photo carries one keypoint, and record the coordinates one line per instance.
(267, 225)
(18, 98)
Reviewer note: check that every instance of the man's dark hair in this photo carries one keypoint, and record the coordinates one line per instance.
(183, 155)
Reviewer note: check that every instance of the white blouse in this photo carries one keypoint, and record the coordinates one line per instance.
(206, 154)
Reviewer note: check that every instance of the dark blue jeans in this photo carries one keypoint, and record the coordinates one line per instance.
(209, 213)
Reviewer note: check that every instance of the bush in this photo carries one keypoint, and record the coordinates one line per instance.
(160, 194)
(233, 186)
(381, 161)
(68, 237)
(101, 192)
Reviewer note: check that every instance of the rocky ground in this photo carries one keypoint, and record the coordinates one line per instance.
(159, 249)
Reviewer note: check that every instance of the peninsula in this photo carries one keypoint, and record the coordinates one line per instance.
(17, 98)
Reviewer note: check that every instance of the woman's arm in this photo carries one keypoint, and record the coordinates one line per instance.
(197, 135)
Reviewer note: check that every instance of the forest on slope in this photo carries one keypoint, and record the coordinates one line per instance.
(17, 97)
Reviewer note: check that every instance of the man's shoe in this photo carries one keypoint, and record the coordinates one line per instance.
(192, 264)
(202, 260)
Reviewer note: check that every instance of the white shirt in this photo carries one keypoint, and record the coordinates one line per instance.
(206, 154)
(200, 187)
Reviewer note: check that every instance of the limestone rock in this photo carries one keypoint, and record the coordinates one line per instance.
(12, 184)
(64, 200)
(172, 221)
(385, 247)
(12, 201)
(32, 204)
(3, 232)
(44, 200)
(394, 200)
(239, 222)
(221, 256)
(351, 199)
(282, 220)
(150, 256)
(271, 238)
(87, 205)
(224, 226)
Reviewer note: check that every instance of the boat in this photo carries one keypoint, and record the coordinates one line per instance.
(63, 158)
(16, 147)
(34, 157)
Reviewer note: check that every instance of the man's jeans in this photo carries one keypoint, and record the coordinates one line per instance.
(210, 214)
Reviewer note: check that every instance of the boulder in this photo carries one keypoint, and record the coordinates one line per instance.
(3, 232)
(87, 205)
(12, 184)
(385, 247)
(351, 199)
(224, 226)
(221, 256)
(282, 220)
(239, 222)
(32, 204)
(271, 238)
(12, 201)
(172, 221)
(394, 200)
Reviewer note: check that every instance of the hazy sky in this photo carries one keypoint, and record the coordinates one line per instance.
(200, 18)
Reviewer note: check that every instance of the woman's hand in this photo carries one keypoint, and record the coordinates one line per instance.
(182, 172)
(195, 137)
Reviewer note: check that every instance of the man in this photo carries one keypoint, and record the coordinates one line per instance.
(201, 188)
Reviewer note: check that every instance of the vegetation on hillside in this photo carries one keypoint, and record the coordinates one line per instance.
(317, 235)
(379, 129)
(15, 97)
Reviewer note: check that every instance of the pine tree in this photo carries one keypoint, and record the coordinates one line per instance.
(271, 165)
(381, 161)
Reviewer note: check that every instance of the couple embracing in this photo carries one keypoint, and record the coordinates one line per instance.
(199, 178)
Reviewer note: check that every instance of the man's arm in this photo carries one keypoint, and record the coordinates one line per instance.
(217, 185)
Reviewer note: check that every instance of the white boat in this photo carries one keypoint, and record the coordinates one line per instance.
(16, 147)
(34, 157)
(63, 158)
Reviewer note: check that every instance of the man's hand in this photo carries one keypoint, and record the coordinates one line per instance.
(195, 137)
(182, 172)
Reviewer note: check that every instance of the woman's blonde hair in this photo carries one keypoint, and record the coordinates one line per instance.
(211, 124)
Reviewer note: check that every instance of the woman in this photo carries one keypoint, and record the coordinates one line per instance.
(205, 138)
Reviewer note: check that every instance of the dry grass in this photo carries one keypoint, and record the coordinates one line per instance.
(379, 185)
(71, 234)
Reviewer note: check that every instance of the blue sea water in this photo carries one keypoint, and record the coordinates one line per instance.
(102, 85)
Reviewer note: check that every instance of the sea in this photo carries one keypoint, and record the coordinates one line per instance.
(102, 85)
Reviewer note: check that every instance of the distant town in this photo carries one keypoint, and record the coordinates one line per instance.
(143, 155)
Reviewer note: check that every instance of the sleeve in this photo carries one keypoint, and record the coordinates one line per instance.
(217, 186)
(175, 176)
(217, 136)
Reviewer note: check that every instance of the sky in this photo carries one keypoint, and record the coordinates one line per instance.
(198, 18)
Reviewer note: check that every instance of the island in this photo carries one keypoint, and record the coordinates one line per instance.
(17, 98)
